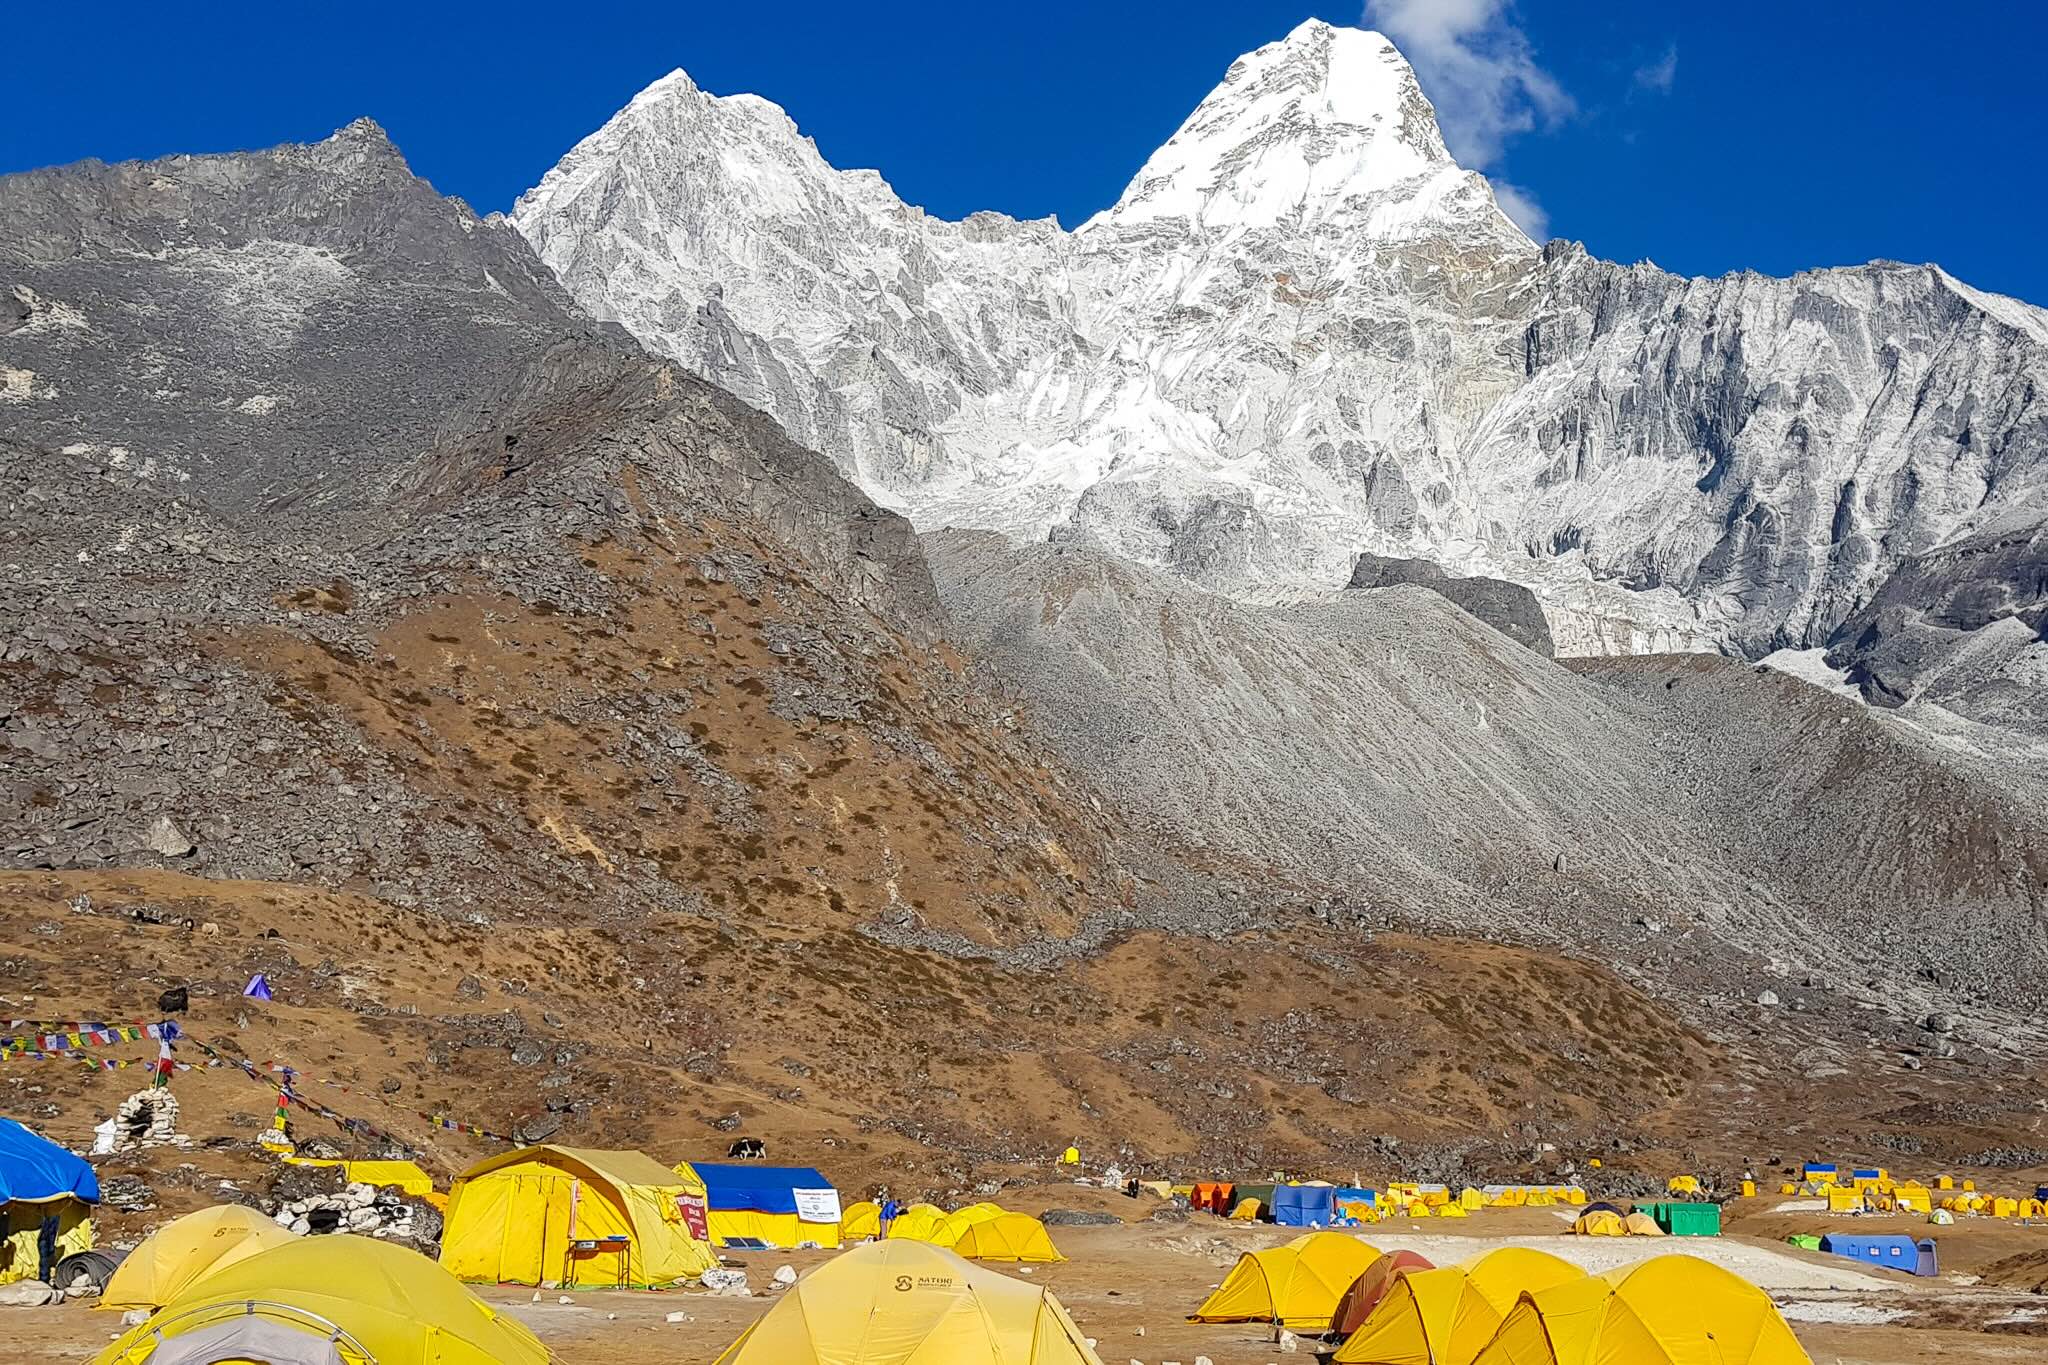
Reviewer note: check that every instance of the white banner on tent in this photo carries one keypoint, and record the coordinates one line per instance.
(817, 1206)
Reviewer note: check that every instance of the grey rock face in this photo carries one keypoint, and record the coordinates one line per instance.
(1963, 626)
(1388, 742)
(1508, 607)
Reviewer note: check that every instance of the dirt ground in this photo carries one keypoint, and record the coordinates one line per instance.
(1131, 1287)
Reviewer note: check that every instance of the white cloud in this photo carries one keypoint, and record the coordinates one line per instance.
(1521, 206)
(1478, 69)
(1661, 74)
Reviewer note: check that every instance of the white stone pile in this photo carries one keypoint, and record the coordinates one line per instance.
(148, 1118)
(361, 1208)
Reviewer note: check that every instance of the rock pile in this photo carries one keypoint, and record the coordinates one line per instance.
(365, 1210)
(148, 1118)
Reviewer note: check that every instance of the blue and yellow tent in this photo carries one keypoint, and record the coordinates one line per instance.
(46, 1199)
(776, 1206)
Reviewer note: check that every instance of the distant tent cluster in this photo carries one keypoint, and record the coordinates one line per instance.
(1317, 1204)
(1872, 1189)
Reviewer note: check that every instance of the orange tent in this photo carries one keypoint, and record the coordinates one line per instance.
(1369, 1288)
(1213, 1195)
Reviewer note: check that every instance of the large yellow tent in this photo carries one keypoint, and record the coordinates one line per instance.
(859, 1220)
(337, 1298)
(1296, 1285)
(925, 1223)
(517, 1218)
(1668, 1310)
(1008, 1237)
(170, 1259)
(911, 1303)
(1436, 1317)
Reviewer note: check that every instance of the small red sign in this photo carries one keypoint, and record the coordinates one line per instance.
(695, 1213)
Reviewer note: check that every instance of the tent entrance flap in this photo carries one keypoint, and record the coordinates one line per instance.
(305, 1339)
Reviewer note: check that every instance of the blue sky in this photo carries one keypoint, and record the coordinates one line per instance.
(1705, 137)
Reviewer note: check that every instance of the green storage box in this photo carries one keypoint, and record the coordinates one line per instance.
(1686, 1220)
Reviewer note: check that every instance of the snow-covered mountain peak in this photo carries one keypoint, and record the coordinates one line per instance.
(1323, 126)
(1304, 331)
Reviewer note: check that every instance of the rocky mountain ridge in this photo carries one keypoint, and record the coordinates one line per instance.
(1303, 333)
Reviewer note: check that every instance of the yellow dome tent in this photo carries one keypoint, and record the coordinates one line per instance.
(1668, 1310)
(518, 1217)
(909, 1303)
(184, 1249)
(1600, 1223)
(860, 1219)
(955, 1224)
(1435, 1317)
(1296, 1285)
(342, 1298)
(1452, 1210)
(1640, 1224)
(924, 1223)
(980, 1213)
(1247, 1211)
(1008, 1237)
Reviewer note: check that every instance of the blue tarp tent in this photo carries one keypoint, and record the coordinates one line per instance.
(1349, 1194)
(1814, 1168)
(777, 1206)
(45, 1198)
(1304, 1206)
(1890, 1252)
(33, 1169)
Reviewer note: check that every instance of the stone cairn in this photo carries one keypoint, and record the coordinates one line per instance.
(148, 1118)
